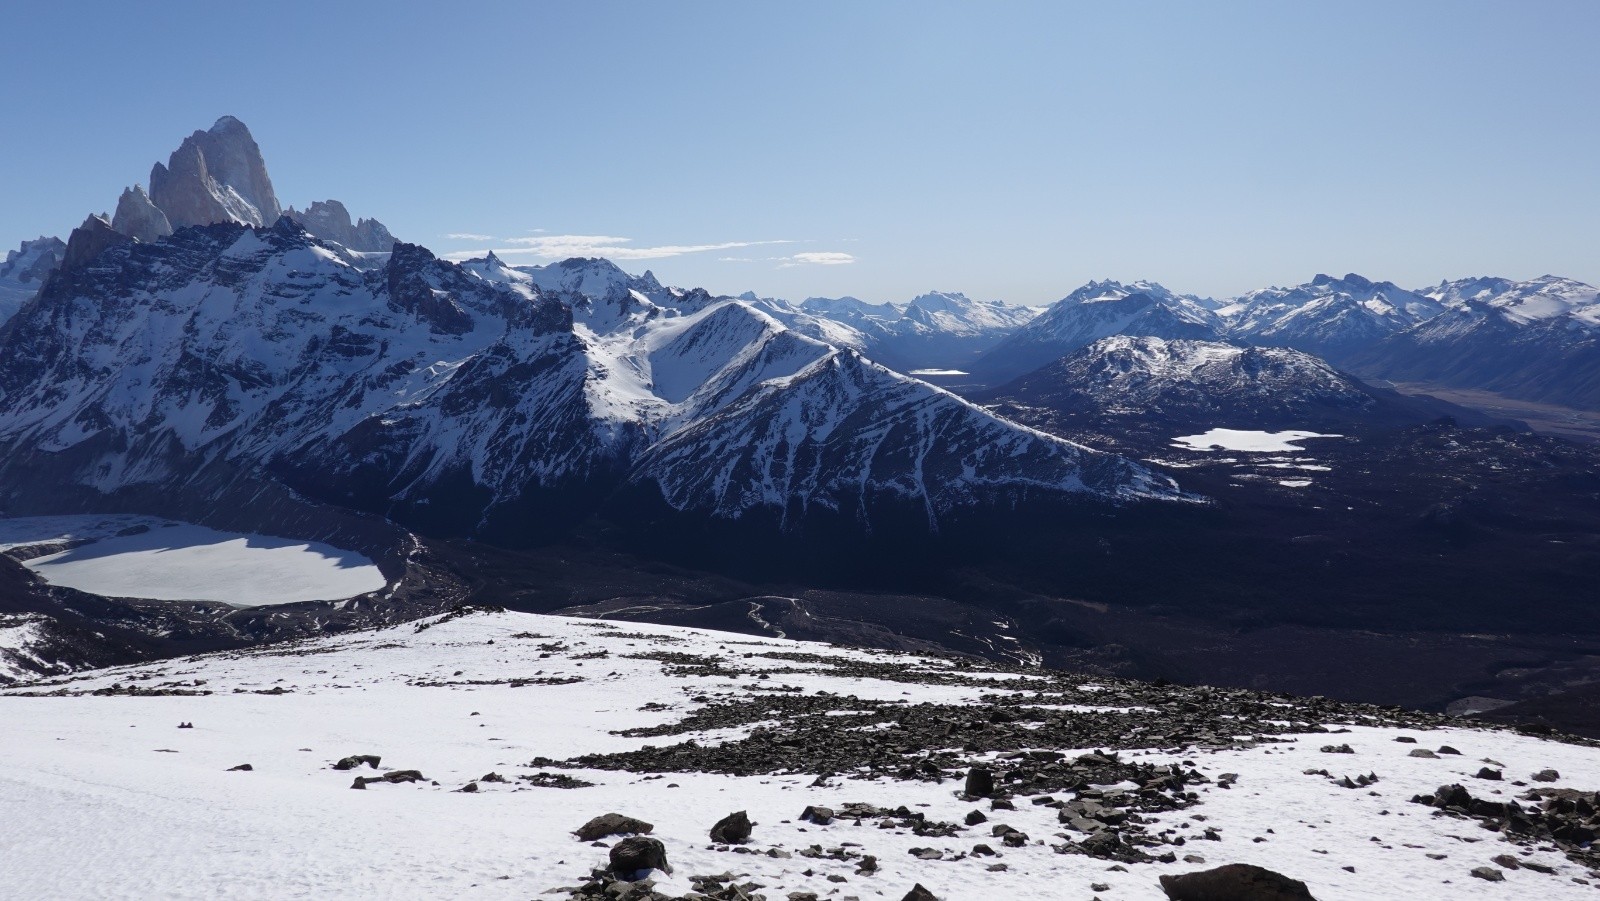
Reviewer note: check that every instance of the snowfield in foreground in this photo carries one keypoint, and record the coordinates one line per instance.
(161, 560)
(103, 795)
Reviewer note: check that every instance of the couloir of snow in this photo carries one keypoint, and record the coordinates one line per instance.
(104, 797)
(1247, 440)
(172, 561)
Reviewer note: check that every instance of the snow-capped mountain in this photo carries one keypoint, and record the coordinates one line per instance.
(1330, 317)
(845, 434)
(24, 272)
(468, 399)
(1142, 384)
(1094, 311)
(937, 330)
(1453, 293)
(1538, 340)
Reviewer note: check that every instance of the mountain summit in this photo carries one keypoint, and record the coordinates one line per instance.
(219, 176)
(216, 176)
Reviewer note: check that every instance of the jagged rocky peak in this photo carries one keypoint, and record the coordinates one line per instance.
(329, 220)
(138, 217)
(33, 260)
(216, 176)
(24, 272)
(89, 240)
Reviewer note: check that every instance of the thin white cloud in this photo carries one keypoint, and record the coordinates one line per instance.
(469, 236)
(561, 247)
(817, 258)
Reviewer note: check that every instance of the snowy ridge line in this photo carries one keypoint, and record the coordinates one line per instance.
(387, 388)
(680, 727)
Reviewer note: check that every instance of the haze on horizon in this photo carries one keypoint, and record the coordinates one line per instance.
(878, 150)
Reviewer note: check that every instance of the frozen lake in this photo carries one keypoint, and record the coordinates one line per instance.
(163, 560)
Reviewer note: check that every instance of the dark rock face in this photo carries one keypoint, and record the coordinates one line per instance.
(329, 220)
(89, 240)
(611, 824)
(355, 760)
(1235, 882)
(918, 893)
(632, 856)
(733, 829)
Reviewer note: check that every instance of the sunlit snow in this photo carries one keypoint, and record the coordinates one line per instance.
(1246, 440)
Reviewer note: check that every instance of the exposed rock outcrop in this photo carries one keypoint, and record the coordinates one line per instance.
(330, 221)
(89, 240)
(216, 176)
(138, 217)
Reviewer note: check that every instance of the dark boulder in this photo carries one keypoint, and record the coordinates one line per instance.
(638, 854)
(1234, 882)
(918, 893)
(611, 824)
(980, 782)
(733, 829)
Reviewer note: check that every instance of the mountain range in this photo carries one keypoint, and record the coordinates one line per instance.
(947, 471)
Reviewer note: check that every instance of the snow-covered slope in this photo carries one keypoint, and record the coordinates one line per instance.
(845, 435)
(1330, 317)
(1094, 311)
(24, 272)
(471, 399)
(519, 729)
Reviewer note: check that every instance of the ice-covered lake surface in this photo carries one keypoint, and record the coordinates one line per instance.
(163, 560)
(1247, 440)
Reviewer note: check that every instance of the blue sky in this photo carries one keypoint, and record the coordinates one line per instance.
(1010, 151)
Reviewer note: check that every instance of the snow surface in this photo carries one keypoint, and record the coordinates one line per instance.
(17, 641)
(103, 797)
(171, 561)
(1247, 440)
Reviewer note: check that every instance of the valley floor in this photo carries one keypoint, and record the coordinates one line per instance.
(103, 795)
(1549, 419)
